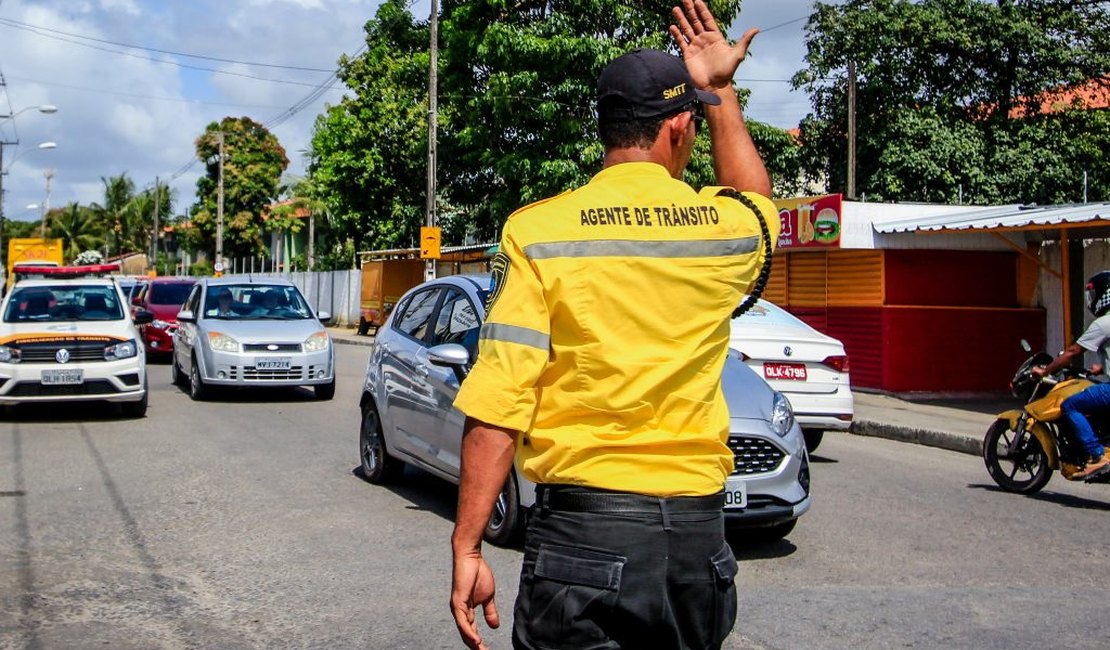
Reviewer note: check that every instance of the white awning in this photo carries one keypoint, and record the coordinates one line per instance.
(1003, 218)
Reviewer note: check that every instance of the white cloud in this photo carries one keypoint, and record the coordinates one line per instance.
(126, 6)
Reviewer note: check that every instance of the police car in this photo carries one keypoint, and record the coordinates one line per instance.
(65, 335)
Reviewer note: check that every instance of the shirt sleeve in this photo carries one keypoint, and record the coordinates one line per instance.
(514, 346)
(1093, 337)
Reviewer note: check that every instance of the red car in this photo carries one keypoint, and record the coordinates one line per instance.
(163, 297)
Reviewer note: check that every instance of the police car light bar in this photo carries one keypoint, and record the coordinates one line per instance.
(92, 270)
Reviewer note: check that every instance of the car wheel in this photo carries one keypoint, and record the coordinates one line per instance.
(137, 409)
(504, 524)
(324, 391)
(813, 438)
(197, 390)
(772, 533)
(377, 465)
(363, 326)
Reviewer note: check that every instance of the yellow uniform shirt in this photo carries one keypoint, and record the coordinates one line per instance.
(608, 330)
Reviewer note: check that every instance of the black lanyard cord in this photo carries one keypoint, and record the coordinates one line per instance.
(768, 254)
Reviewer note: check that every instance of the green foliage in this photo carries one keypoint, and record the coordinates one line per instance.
(78, 226)
(253, 163)
(125, 220)
(949, 95)
(201, 268)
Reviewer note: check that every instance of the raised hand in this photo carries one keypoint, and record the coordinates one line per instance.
(710, 59)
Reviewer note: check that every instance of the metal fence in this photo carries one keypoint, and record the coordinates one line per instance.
(336, 292)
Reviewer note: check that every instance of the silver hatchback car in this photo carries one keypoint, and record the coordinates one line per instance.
(238, 332)
(422, 354)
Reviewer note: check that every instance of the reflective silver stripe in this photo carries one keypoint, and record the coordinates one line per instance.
(639, 248)
(516, 334)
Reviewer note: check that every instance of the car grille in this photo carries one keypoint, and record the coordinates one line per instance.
(35, 389)
(265, 347)
(44, 352)
(754, 455)
(294, 373)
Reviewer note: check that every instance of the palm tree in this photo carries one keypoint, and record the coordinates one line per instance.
(118, 193)
(78, 227)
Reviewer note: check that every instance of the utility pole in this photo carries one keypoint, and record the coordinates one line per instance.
(3, 143)
(311, 240)
(851, 185)
(154, 235)
(49, 174)
(219, 265)
(433, 92)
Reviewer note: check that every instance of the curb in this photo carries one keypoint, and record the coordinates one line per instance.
(347, 340)
(940, 439)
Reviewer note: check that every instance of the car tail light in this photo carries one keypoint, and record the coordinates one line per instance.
(837, 362)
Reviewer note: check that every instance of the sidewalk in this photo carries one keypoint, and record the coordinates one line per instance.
(948, 422)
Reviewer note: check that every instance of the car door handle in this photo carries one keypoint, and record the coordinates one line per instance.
(385, 347)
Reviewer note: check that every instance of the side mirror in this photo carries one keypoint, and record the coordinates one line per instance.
(449, 354)
(323, 316)
(143, 317)
(186, 316)
(1025, 346)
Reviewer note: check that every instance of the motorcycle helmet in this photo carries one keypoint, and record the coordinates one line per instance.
(1098, 293)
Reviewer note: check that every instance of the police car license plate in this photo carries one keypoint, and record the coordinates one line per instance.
(736, 494)
(272, 364)
(795, 371)
(62, 377)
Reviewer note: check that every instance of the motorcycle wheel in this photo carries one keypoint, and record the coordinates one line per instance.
(1025, 471)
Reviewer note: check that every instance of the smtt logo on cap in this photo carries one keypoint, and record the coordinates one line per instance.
(677, 91)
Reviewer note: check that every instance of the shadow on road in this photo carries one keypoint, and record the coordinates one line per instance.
(822, 459)
(274, 395)
(425, 492)
(46, 412)
(746, 548)
(1052, 497)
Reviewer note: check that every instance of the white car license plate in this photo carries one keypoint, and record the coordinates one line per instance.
(63, 377)
(272, 364)
(791, 371)
(736, 494)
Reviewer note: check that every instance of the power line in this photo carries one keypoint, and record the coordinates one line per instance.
(30, 27)
(4, 22)
(120, 93)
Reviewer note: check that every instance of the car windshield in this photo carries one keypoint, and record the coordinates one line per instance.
(168, 293)
(63, 302)
(255, 302)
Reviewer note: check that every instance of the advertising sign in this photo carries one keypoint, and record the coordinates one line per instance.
(810, 221)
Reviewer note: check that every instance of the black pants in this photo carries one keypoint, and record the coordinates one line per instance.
(636, 573)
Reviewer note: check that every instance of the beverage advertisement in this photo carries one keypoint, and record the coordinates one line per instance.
(810, 221)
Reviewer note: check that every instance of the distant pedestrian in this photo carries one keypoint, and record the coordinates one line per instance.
(600, 363)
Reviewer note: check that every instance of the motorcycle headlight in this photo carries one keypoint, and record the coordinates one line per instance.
(124, 350)
(160, 324)
(222, 342)
(782, 415)
(8, 355)
(317, 342)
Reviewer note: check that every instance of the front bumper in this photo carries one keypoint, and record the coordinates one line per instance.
(241, 369)
(158, 341)
(111, 381)
(774, 495)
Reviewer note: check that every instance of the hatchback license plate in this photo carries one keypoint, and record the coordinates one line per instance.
(62, 377)
(736, 494)
(272, 364)
(793, 371)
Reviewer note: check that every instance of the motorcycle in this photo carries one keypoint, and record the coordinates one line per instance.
(1024, 446)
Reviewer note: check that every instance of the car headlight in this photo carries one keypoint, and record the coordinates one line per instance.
(317, 342)
(8, 355)
(222, 342)
(160, 324)
(124, 350)
(782, 415)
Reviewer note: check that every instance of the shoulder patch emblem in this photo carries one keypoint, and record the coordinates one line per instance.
(499, 271)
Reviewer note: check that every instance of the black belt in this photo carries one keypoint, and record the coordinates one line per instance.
(574, 498)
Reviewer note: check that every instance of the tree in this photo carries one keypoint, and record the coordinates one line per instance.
(520, 82)
(112, 214)
(368, 159)
(253, 163)
(78, 227)
(950, 94)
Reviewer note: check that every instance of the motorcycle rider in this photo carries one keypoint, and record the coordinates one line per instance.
(1095, 399)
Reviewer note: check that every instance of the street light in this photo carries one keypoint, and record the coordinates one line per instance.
(42, 108)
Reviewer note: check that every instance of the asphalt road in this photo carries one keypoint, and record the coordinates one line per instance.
(239, 523)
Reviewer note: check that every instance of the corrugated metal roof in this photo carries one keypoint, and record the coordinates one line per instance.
(1006, 217)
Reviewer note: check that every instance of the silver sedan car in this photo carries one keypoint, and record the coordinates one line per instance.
(422, 354)
(236, 332)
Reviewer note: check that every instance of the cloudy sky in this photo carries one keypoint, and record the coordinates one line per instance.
(139, 111)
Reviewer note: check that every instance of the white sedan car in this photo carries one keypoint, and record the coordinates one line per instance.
(810, 368)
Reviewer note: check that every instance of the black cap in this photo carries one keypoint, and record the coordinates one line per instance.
(645, 84)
